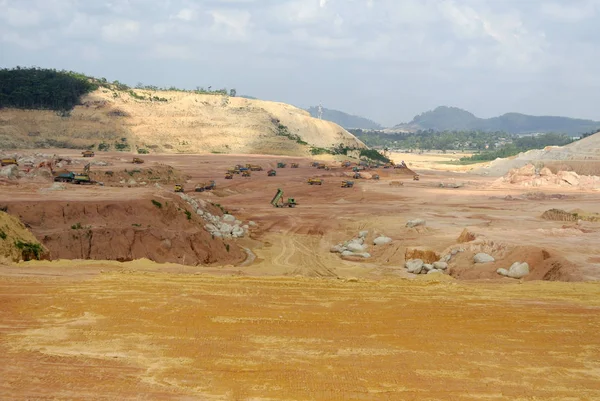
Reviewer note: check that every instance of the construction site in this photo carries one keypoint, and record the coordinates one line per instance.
(177, 277)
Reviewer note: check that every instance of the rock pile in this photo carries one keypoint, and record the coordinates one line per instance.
(354, 247)
(417, 266)
(226, 226)
(530, 176)
(517, 270)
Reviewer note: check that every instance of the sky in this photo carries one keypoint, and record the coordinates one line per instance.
(387, 60)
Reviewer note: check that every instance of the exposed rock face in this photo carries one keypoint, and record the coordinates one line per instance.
(425, 254)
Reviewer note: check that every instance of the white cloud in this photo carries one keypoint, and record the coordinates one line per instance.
(233, 24)
(121, 31)
(185, 14)
(573, 11)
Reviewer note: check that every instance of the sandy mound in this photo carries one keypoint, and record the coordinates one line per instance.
(185, 123)
(16, 242)
(162, 229)
(530, 176)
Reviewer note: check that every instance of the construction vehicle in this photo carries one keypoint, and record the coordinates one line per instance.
(246, 173)
(277, 200)
(271, 173)
(64, 177)
(88, 153)
(254, 167)
(375, 176)
(401, 165)
(73, 178)
(357, 176)
(346, 163)
(179, 188)
(228, 176)
(416, 178)
(281, 165)
(315, 181)
(206, 186)
(295, 165)
(322, 166)
(137, 160)
(347, 184)
(8, 162)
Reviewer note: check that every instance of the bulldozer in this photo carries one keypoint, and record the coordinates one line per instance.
(315, 181)
(179, 188)
(228, 176)
(278, 201)
(206, 186)
(8, 162)
(295, 165)
(271, 173)
(137, 160)
(87, 153)
(281, 165)
(347, 184)
(246, 173)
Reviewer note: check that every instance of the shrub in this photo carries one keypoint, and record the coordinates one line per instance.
(157, 204)
(77, 226)
(2, 234)
(143, 151)
(29, 250)
(188, 214)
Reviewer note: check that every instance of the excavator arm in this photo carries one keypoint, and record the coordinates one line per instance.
(277, 197)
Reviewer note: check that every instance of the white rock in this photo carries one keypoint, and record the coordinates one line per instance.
(225, 228)
(440, 265)
(382, 240)
(363, 234)
(356, 247)
(347, 253)
(502, 271)
(237, 231)
(365, 255)
(246, 227)
(483, 258)
(414, 265)
(252, 224)
(228, 218)
(518, 270)
(447, 258)
(415, 223)
(427, 267)
(337, 249)
(434, 271)
(238, 223)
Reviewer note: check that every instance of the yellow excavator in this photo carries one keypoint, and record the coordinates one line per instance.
(347, 184)
(315, 181)
(278, 201)
(178, 188)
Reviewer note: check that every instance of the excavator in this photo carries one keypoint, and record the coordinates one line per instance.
(281, 165)
(271, 173)
(277, 200)
(228, 176)
(179, 188)
(246, 173)
(295, 165)
(87, 153)
(347, 184)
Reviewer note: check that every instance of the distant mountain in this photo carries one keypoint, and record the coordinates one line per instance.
(453, 118)
(345, 120)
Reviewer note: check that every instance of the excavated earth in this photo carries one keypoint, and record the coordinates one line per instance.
(274, 315)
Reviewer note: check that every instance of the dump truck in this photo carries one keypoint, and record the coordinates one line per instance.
(137, 160)
(347, 184)
(271, 173)
(228, 176)
(281, 165)
(88, 153)
(206, 186)
(315, 181)
(82, 179)
(73, 178)
(295, 165)
(179, 188)
(254, 167)
(64, 177)
(8, 162)
(246, 173)
(277, 200)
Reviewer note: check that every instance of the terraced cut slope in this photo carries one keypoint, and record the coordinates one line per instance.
(123, 336)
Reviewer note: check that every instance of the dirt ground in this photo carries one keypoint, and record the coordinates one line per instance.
(294, 321)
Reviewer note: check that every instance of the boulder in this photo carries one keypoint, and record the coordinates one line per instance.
(569, 177)
(228, 218)
(414, 265)
(483, 258)
(518, 270)
(356, 247)
(237, 231)
(382, 240)
(347, 253)
(415, 223)
(365, 255)
(545, 172)
(363, 234)
(440, 265)
(252, 224)
(9, 171)
(337, 249)
(427, 267)
(503, 272)
(434, 271)
(225, 228)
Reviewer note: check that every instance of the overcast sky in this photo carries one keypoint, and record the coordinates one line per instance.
(383, 59)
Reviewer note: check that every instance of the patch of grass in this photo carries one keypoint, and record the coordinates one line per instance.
(282, 130)
(157, 204)
(319, 151)
(3, 234)
(136, 225)
(77, 226)
(143, 151)
(227, 247)
(29, 250)
(188, 214)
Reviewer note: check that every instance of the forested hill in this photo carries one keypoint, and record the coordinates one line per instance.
(454, 119)
(344, 119)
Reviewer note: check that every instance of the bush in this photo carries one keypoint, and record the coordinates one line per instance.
(29, 250)
(143, 151)
(76, 226)
(188, 214)
(103, 147)
(2, 234)
(373, 155)
(157, 204)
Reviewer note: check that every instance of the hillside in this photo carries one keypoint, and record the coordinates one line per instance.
(345, 120)
(452, 118)
(35, 113)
